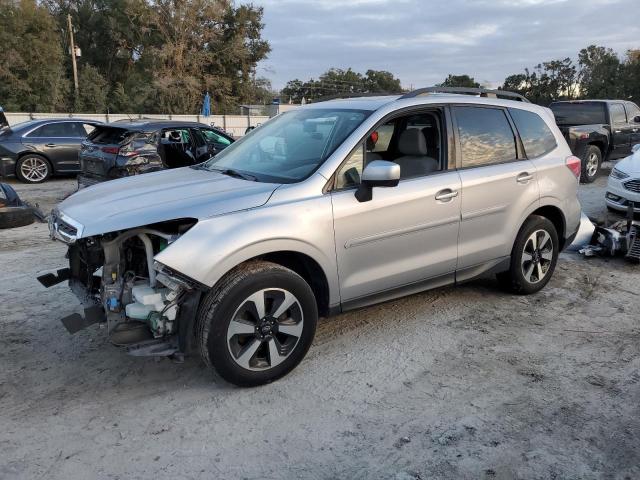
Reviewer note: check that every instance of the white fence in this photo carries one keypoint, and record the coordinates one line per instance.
(234, 124)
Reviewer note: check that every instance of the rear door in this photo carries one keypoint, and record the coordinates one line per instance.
(498, 185)
(621, 130)
(59, 142)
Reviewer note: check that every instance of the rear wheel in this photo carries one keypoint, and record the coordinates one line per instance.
(257, 324)
(591, 161)
(33, 169)
(533, 258)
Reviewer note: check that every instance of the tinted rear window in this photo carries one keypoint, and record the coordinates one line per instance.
(110, 135)
(579, 113)
(536, 136)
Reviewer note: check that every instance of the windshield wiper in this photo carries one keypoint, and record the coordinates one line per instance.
(237, 174)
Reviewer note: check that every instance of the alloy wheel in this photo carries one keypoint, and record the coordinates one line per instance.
(265, 329)
(592, 164)
(537, 256)
(34, 169)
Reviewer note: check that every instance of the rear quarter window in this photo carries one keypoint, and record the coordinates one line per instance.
(536, 136)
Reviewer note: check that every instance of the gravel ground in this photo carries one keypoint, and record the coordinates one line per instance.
(457, 383)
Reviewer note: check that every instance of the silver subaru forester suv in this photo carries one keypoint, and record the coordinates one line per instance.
(332, 206)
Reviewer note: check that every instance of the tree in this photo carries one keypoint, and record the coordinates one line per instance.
(93, 95)
(32, 76)
(459, 81)
(552, 80)
(336, 81)
(600, 73)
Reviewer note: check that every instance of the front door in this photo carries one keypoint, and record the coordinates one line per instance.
(620, 130)
(405, 238)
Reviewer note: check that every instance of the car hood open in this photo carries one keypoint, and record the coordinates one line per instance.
(630, 164)
(161, 196)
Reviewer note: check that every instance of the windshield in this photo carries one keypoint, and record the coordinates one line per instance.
(579, 113)
(289, 147)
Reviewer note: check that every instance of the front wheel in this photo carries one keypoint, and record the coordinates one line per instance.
(257, 324)
(533, 258)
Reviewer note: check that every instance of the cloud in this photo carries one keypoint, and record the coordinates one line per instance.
(422, 42)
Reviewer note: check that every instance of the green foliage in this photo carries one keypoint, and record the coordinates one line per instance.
(32, 75)
(459, 81)
(336, 81)
(93, 95)
(599, 74)
(138, 56)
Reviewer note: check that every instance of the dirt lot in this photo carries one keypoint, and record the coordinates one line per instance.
(456, 383)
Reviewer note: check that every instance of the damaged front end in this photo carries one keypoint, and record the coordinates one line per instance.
(144, 306)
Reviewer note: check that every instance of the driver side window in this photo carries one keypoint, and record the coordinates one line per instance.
(413, 141)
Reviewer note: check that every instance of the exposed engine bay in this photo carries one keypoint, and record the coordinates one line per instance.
(119, 284)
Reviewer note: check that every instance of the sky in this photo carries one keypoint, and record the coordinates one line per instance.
(421, 42)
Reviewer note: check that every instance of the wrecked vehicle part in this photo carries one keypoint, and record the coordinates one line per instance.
(585, 233)
(15, 212)
(115, 278)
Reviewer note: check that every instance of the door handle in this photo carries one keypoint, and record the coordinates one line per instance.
(446, 195)
(50, 145)
(524, 177)
(634, 130)
(617, 131)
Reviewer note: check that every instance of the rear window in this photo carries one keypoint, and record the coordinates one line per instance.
(579, 113)
(110, 135)
(536, 136)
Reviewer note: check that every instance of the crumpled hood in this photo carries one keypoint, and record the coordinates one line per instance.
(161, 196)
(630, 164)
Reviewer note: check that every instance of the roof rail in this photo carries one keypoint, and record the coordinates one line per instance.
(481, 92)
(345, 95)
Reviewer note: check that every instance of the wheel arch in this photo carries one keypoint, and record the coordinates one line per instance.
(555, 216)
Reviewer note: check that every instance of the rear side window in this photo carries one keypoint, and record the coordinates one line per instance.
(109, 135)
(618, 114)
(485, 135)
(536, 136)
(55, 130)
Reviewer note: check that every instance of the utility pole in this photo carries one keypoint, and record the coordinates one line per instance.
(73, 54)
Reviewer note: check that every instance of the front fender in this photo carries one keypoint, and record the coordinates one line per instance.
(214, 246)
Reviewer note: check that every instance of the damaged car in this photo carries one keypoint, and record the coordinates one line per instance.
(623, 186)
(333, 206)
(126, 148)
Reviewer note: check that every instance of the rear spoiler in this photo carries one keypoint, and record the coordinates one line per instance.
(3, 119)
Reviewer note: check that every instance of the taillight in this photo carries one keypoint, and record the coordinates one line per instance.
(113, 150)
(575, 165)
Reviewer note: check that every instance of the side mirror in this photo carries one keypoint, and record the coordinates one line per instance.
(636, 119)
(379, 173)
(635, 148)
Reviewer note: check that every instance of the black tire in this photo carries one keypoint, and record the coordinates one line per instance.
(42, 164)
(591, 154)
(223, 303)
(514, 279)
(11, 217)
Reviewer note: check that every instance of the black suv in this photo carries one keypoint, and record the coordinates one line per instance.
(598, 130)
(125, 148)
(37, 149)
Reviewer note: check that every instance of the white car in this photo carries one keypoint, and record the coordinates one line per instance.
(624, 183)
